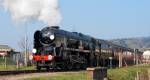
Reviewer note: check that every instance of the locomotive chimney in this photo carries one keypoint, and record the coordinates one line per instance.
(55, 27)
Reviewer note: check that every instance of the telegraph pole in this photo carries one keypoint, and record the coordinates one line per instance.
(136, 51)
(17, 61)
(25, 59)
(134, 56)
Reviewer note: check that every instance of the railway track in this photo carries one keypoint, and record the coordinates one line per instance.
(2, 73)
(22, 72)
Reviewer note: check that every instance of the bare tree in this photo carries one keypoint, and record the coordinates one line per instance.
(25, 46)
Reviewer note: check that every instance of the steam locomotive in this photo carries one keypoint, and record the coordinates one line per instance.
(59, 49)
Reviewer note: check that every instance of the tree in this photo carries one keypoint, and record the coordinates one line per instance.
(25, 47)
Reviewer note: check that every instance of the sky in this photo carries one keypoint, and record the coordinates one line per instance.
(103, 19)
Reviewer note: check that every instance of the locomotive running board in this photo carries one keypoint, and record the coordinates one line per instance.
(77, 50)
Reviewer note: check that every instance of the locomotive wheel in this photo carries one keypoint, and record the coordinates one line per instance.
(69, 66)
(63, 66)
(84, 66)
(38, 67)
(77, 66)
(47, 68)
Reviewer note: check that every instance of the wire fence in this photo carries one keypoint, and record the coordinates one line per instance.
(7, 63)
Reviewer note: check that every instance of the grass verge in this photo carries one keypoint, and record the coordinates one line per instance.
(66, 76)
(128, 73)
(14, 67)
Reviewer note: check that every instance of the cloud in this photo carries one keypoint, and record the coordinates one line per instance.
(46, 11)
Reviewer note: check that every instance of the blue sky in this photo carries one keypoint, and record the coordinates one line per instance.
(104, 19)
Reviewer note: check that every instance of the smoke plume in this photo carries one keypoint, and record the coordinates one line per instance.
(46, 11)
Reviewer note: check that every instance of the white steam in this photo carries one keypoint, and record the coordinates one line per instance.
(46, 11)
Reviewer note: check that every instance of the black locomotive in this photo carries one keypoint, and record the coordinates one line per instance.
(59, 49)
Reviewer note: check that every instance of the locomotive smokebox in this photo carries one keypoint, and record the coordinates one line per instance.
(55, 27)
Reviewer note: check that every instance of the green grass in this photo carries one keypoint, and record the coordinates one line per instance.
(27, 68)
(14, 67)
(128, 73)
(65, 76)
(8, 67)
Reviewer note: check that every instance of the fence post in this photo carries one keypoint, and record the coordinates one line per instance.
(5, 62)
(149, 74)
(98, 73)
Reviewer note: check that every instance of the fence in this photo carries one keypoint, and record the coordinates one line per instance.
(7, 63)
